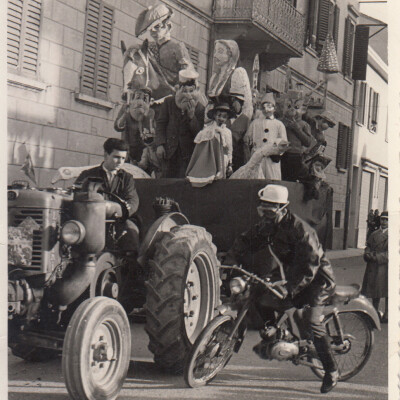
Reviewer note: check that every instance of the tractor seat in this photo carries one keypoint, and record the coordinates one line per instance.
(346, 293)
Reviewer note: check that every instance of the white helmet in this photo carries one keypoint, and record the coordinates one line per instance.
(274, 194)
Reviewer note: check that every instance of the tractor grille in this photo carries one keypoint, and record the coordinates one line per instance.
(37, 248)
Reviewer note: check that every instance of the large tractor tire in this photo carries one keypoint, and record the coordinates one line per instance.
(182, 293)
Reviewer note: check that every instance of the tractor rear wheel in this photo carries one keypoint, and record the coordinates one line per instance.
(182, 293)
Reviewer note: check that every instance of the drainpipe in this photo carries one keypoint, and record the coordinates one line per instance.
(350, 168)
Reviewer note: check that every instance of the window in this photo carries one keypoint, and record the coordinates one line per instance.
(97, 49)
(23, 28)
(373, 110)
(323, 18)
(343, 154)
(348, 47)
(362, 95)
(337, 218)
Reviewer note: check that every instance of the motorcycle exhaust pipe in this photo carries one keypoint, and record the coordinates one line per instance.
(74, 282)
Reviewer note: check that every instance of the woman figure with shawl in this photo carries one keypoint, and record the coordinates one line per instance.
(226, 78)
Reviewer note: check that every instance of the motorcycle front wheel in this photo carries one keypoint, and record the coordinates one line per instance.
(210, 353)
(353, 352)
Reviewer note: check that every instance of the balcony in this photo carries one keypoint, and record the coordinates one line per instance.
(259, 22)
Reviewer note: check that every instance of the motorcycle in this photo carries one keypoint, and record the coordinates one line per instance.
(349, 319)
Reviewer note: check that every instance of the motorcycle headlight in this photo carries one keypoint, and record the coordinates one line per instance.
(237, 285)
(73, 232)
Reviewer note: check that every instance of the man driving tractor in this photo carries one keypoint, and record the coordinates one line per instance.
(116, 181)
(309, 275)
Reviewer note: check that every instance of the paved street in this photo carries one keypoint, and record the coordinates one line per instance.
(245, 377)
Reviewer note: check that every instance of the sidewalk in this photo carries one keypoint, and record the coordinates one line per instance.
(348, 257)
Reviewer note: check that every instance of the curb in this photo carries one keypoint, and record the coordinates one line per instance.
(347, 261)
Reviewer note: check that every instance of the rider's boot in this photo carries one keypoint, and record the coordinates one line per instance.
(324, 351)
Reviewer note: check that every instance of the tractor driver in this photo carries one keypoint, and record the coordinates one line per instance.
(309, 275)
(119, 182)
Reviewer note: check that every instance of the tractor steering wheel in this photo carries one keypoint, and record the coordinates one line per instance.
(124, 205)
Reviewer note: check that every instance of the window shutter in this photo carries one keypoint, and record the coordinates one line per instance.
(360, 58)
(347, 49)
(361, 103)
(194, 55)
(343, 147)
(349, 139)
(97, 49)
(370, 106)
(323, 22)
(23, 28)
(336, 24)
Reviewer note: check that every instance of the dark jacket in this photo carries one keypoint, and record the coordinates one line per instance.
(296, 245)
(174, 128)
(375, 282)
(298, 134)
(123, 185)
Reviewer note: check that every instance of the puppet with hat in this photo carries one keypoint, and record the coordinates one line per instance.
(168, 56)
(212, 156)
(266, 130)
(134, 117)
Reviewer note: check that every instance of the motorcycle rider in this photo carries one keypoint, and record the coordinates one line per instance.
(310, 280)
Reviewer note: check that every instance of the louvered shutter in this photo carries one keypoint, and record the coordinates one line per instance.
(349, 140)
(23, 28)
(370, 106)
(360, 58)
(347, 48)
(343, 153)
(97, 49)
(375, 109)
(323, 22)
(361, 103)
(336, 23)
(194, 55)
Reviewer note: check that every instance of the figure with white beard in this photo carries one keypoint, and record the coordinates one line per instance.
(134, 118)
(178, 121)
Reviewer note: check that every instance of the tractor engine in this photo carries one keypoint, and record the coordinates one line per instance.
(34, 254)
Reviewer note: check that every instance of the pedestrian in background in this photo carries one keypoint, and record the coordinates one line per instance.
(375, 283)
(377, 219)
(370, 222)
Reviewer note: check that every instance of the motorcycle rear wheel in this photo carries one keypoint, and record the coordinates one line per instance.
(210, 353)
(352, 356)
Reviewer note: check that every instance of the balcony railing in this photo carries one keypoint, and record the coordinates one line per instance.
(277, 17)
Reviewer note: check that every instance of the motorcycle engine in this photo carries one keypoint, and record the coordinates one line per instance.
(277, 350)
(283, 351)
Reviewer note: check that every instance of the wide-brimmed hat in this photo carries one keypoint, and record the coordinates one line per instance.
(137, 86)
(221, 107)
(152, 16)
(188, 76)
(328, 117)
(237, 95)
(384, 214)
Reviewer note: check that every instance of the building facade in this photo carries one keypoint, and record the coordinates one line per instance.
(65, 71)
(370, 150)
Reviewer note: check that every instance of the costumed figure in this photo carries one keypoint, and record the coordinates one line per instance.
(292, 108)
(315, 158)
(226, 78)
(238, 125)
(266, 130)
(134, 117)
(212, 156)
(253, 168)
(179, 120)
(150, 161)
(375, 283)
(168, 56)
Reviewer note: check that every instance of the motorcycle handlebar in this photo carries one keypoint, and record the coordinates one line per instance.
(270, 286)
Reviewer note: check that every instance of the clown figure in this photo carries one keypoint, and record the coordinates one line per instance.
(266, 130)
